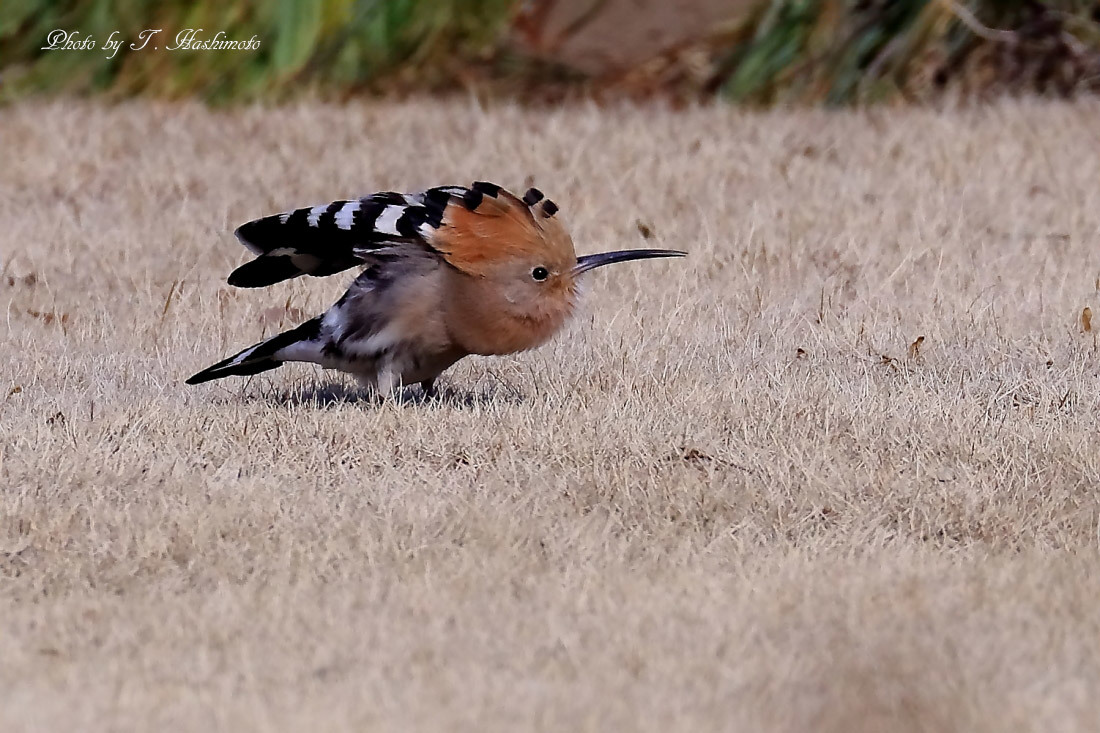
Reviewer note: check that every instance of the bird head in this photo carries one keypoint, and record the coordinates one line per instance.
(520, 261)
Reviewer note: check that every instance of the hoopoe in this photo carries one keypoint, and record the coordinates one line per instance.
(450, 272)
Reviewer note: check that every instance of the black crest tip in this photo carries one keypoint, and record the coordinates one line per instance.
(489, 189)
(472, 199)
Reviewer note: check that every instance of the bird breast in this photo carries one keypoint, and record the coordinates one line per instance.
(482, 319)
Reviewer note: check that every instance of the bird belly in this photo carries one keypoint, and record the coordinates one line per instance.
(399, 367)
(384, 365)
(390, 332)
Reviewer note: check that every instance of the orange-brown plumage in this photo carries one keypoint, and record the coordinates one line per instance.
(476, 239)
(449, 272)
(491, 306)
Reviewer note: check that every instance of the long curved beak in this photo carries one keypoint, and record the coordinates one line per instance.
(588, 262)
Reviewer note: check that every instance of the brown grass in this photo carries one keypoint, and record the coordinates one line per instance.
(738, 494)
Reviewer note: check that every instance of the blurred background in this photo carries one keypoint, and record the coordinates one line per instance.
(831, 52)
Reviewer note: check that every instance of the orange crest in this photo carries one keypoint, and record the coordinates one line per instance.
(480, 231)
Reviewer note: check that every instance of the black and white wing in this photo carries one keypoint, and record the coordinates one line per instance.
(330, 238)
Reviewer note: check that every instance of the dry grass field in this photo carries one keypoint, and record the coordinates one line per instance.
(734, 495)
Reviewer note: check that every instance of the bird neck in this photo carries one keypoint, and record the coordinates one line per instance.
(483, 320)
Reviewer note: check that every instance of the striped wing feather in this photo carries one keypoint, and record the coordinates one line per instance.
(323, 240)
(327, 239)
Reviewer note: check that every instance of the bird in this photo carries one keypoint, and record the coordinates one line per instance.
(448, 272)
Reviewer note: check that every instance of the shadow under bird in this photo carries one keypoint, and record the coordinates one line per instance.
(450, 271)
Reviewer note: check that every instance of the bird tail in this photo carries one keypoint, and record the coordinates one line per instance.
(261, 357)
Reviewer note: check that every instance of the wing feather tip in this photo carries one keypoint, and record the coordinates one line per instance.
(263, 271)
(243, 234)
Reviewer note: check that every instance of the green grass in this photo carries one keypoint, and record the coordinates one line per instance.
(335, 45)
(833, 52)
(837, 52)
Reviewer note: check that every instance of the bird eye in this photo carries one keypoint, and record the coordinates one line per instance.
(540, 273)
